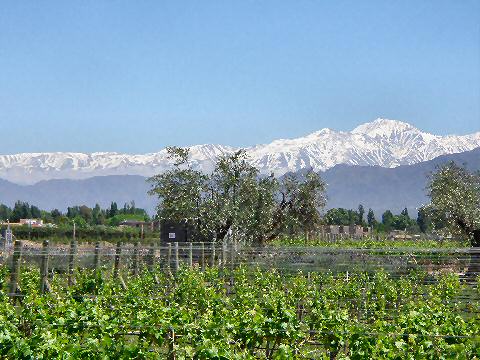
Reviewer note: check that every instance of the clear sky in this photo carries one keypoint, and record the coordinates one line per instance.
(136, 76)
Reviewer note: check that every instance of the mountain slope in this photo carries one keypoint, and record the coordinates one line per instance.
(383, 142)
(348, 185)
(388, 188)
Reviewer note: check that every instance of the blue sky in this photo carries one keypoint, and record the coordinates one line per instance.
(136, 76)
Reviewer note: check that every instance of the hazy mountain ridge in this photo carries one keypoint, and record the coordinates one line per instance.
(373, 186)
(383, 142)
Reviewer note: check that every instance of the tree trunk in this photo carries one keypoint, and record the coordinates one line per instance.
(473, 269)
(476, 238)
(474, 266)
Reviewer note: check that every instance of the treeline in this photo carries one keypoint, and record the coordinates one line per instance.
(64, 233)
(83, 216)
(388, 222)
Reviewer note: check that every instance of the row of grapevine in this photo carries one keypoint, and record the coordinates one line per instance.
(242, 313)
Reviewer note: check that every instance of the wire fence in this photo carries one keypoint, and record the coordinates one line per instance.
(398, 261)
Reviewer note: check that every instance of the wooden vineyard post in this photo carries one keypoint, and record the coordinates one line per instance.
(177, 260)
(212, 262)
(169, 257)
(190, 255)
(71, 262)
(116, 269)
(153, 249)
(224, 255)
(202, 255)
(232, 264)
(96, 257)
(151, 257)
(44, 285)
(232, 256)
(171, 345)
(135, 259)
(15, 271)
(118, 251)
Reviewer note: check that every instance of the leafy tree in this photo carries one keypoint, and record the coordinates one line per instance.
(113, 209)
(341, 216)
(371, 218)
(387, 220)
(400, 222)
(455, 198)
(55, 214)
(86, 213)
(98, 216)
(361, 212)
(179, 190)
(46, 216)
(301, 201)
(80, 221)
(35, 212)
(336, 216)
(235, 198)
(72, 212)
(21, 210)
(423, 220)
(5, 212)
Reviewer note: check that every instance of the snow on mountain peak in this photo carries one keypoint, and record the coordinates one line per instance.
(382, 142)
(384, 128)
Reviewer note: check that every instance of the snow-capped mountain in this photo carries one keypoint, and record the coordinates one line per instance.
(383, 142)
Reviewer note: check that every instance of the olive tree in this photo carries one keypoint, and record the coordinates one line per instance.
(235, 198)
(455, 198)
(180, 190)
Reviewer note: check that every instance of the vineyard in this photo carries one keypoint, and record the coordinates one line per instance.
(227, 302)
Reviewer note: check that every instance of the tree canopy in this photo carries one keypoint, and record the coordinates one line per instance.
(455, 200)
(236, 199)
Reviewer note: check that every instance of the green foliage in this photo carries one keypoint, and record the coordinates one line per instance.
(64, 233)
(243, 314)
(371, 242)
(371, 221)
(361, 212)
(118, 219)
(422, 220)
(235, 198)
(387, 220)
(341, 216)
(455, 200)
(83, 216)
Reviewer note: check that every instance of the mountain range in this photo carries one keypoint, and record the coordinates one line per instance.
(348, 185)
(382, 142)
